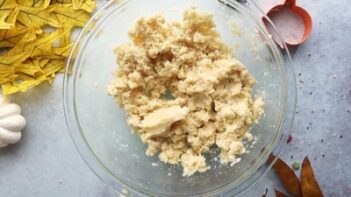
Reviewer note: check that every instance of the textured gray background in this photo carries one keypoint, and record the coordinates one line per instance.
(46, 163)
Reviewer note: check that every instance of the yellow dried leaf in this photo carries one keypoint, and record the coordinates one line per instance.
(69, 18)
(32, 34)
(42, 46)
(63, 51)
(10, 88)
(34, 3)
(7, 74)
(10, 20)
(7, 66)
(35, 39)
(6, 5)
(20, 34)
(31, 68)
(13, 59)
(61, 2)
(10, 37)
(87, 5)
(51, 68)
(43, 62)
(37, 17)
(8, 13)
(66, 36)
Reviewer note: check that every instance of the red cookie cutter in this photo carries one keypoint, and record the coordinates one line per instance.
(292, 22)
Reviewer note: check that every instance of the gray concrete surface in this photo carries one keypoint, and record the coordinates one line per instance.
(46, 163)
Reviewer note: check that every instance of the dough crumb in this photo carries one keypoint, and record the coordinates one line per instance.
(184, 92)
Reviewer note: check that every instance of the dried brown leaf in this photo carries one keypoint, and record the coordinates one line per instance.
(309, 184)
(287, 176)
(279, 193)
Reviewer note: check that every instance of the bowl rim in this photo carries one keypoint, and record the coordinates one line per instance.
(256, 171)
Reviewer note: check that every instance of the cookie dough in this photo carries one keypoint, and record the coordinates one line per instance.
(184, 92)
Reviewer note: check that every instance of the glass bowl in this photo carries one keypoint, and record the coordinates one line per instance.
(99, 128)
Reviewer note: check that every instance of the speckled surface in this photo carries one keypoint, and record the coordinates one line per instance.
(46, 163)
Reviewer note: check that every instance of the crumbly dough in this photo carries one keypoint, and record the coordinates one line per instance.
(184, 92)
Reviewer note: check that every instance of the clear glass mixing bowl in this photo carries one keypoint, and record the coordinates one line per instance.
(99, 128)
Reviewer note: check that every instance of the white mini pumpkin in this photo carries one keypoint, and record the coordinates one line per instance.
(11, 122)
